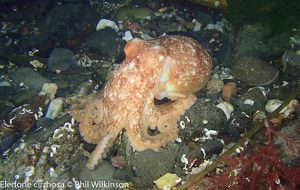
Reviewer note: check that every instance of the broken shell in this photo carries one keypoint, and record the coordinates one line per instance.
(55, 108)
(226, 107)
(273, 104)
(167, 181)
(105, 23)
(49, 90)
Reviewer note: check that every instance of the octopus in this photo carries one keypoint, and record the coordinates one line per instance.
(169, 67)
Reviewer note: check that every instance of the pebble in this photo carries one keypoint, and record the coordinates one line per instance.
(167, 181)
(60, 59)
(106, 42)
(254, 71)
(150, 165)
(29, 78)
(256, 40)
(8, 140)
(291, 63)
(229, 90)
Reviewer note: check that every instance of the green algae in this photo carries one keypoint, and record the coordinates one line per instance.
(133, 12)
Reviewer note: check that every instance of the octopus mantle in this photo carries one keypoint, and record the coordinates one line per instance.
(172, 67)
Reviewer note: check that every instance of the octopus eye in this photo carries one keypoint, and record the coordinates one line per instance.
(162, 101)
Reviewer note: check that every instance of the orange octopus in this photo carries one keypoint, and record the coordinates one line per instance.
(172, 67)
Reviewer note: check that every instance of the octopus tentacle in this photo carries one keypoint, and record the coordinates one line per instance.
(162, 119)
(90, 127)
(102, 147)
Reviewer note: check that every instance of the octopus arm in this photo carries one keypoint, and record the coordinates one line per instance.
(89, 112)
(162, 119)
(102, 147)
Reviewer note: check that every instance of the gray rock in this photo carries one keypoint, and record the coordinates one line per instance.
(61, 59)
(254, 71)
(291, 63)
(195, 120)
(282, 91)
(105, 41)
(8, 140)
(29, 77)
(224, 53)
(210, 147)
(24, 96)
(105, 173)
(150, 165)
(256, 40)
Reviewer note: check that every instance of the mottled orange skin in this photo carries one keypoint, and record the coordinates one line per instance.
(169, 66)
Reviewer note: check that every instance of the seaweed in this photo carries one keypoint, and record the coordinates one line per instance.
(261, 170)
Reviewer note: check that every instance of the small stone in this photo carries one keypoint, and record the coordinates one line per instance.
(8, 140)
(55, 108)
(150, 165)
(61, 59)
(229, 90)
(29, 78)
(291, 63)
(105, 41)
(254, 71)
(167, 181)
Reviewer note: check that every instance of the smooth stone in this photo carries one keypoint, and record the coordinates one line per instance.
(150, 165)
(23, 96)
(282, 91)
(224, 54)
(254, 71)
(203, 114)
(61, 59)
(8, 140)
(291, 63)
(29, 77)
(106, 42)
(210, 147)
(257, 40)
(105, 173)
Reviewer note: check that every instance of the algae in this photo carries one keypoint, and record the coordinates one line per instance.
(133, 12)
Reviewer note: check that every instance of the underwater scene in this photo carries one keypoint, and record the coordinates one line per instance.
(150, 94)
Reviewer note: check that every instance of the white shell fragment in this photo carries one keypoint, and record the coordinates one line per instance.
(227, 108)
(49, 90)
(55, 108)
(273, 104)
(167, 181)
(105, 23)
(249, 102)
(127, 36)
(197, 25)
